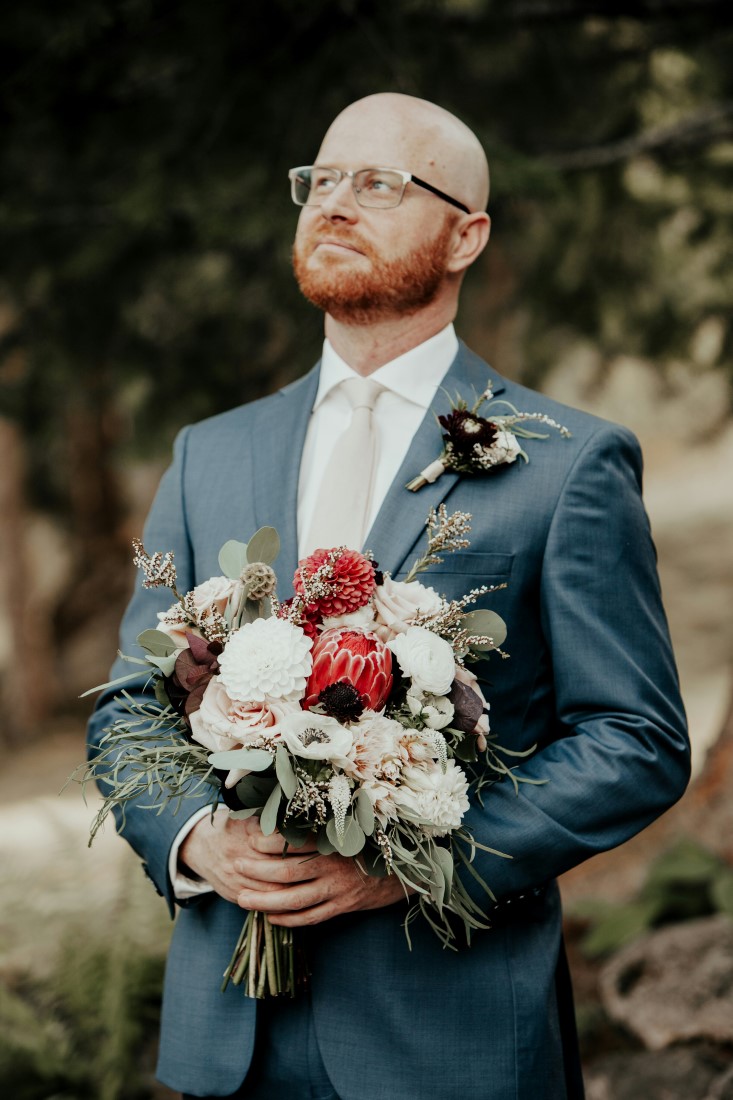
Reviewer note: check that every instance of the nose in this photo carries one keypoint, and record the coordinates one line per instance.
(341, 204)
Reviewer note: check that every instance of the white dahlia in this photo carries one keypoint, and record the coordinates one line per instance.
(438, 798)
(266, 659)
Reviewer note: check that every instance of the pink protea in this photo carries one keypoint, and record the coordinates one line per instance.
(354, 655)
(350, 587)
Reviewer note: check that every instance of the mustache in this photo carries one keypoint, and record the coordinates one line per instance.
(351, 240)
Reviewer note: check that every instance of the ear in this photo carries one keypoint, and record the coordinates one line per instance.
(470, 239)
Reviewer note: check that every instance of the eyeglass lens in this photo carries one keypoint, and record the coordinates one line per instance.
(372, 186)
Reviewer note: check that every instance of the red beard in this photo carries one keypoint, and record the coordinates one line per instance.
(402, 285)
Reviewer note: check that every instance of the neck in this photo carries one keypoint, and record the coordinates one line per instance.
(367, 347)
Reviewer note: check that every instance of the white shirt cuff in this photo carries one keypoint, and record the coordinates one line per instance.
(183, 886)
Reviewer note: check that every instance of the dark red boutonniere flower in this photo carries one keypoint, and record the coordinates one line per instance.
(474, 444)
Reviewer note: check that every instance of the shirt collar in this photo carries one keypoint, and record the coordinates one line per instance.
(414, 376)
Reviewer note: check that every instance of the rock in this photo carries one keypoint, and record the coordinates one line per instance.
(675, 984)
(722, 1087)
(681, 1073)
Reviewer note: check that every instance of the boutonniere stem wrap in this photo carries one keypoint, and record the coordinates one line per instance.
(474, 444)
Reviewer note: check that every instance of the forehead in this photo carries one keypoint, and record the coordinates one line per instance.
(381, 139)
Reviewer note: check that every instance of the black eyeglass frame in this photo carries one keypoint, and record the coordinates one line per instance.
(407, 177)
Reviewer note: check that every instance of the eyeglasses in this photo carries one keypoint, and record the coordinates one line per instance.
(381, 188)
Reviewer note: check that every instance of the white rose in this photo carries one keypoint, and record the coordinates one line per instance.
(396, 604)
(221, 723)
(212, 595)
(425, 658)
(505, 447)
(435, 710)
(316, 737)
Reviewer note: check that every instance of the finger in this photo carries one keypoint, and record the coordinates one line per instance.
(277, 869)
(285, 898)
(301, 918)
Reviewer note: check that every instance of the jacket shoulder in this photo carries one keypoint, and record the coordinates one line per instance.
(228, 425)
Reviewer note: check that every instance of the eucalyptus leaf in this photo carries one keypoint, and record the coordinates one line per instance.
(242, 815)
(324, 845)
(295, 835)
(365, 812)
(160, 693)
(268, 819)
(285, 773)
(445, 861)
(254, 760)
(264, 546)
(254, 790)
(115, 683)
(248, 612)
(233, 558)
(373, 861)
(483, 621)
(353, 839)
(157, 643)
(437, 888)
(465, 749)
(165, 664)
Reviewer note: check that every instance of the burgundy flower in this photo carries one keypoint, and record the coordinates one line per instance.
(351, 585)
(353, 655)
(463, 430)
(194, 668)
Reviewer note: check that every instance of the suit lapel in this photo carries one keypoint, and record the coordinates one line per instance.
(277, 447)
(401, 519)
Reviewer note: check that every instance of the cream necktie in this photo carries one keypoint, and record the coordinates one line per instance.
(342, 506)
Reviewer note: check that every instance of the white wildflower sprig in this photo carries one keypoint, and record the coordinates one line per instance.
(446, 534)
(448, 623)
(208, 620)
(158, 569)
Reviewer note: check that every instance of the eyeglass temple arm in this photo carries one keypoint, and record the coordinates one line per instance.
(440, 194)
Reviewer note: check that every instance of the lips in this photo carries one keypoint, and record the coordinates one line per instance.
(338, 244)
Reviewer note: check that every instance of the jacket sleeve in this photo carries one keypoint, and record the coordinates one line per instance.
(616, 752)
(149, 833)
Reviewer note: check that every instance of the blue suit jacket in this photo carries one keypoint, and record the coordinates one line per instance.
(591, 681)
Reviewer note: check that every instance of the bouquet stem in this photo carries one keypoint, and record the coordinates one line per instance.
(264, 960)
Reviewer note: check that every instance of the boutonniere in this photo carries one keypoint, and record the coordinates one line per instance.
(474, 444)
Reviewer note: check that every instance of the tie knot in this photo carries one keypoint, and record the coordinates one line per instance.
(361, 393)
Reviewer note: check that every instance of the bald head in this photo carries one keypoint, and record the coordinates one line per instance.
(390, 130)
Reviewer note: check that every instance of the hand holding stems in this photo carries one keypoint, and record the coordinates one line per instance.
(296, 889)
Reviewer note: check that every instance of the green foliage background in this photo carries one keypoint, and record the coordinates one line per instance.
(145, 224)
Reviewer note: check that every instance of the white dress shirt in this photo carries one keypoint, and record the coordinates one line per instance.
(410, 383)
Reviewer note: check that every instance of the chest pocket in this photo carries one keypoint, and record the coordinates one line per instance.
(459, 572)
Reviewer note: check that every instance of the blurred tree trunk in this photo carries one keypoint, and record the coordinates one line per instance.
(28, 687)
(100, 575)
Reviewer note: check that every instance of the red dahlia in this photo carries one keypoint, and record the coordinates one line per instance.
(309, 621)
(350, 586)
(353, 655)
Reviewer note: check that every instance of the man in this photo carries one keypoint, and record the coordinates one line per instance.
(591, 680)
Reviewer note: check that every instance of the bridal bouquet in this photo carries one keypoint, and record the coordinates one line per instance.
(346, 711)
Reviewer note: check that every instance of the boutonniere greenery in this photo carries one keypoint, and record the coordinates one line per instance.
(474, 444)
